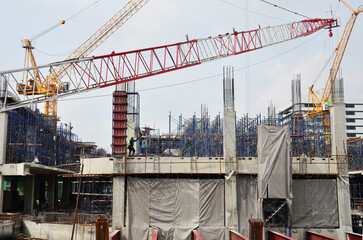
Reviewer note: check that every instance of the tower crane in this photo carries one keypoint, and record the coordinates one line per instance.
(90, 73)
(322, 105)
(51, 85)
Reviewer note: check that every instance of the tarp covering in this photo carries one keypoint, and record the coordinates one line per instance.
(274, 172)
(315, 203)
(246, 202)
(175, 207)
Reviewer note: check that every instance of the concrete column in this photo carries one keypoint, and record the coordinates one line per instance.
(52, 181)
(118, 201)
(3, 136)
(229, 140)
(29, 194)
(230, 193)
(3, 139)
(66, 192)
(230, 203)
(1, 192)
(14, 193)
(339, 149)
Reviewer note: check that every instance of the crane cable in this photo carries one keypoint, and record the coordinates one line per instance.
(285, 9)
(324, 67)
(82, 10)
(57, 25)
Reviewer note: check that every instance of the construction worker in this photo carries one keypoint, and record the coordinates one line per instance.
(131, 146)
(37, 207)
(143, 145)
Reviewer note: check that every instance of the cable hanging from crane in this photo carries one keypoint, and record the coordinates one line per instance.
(47, 30)
(248, 10)
(82, 10)
(275, 5)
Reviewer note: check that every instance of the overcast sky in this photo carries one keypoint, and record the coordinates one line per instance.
(265, 74)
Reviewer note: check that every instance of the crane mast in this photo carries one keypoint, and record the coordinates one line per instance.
(96, 72)
(322, 105)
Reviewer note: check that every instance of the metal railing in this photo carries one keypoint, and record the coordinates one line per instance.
(318, 236)
(233, 235)
(196, 235)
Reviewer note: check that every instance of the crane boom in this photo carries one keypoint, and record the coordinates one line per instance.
(51, 84)
(104, 32)
(102, 71)
(321, 105)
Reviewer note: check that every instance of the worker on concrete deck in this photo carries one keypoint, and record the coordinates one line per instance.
(131, 146)
(143, 145)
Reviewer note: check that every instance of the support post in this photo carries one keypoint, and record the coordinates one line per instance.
(29, 194)
(3, 139)
(52, 181)
(118, 204)
(66, 191)
(339, 148)
(229, 148)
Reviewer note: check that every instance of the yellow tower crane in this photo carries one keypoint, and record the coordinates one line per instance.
(322, 105)
(33, 84)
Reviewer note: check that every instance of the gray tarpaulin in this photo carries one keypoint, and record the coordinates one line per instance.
(315, 203)
(246, 202)
(175, 207)
(139, 192)
(274, 172)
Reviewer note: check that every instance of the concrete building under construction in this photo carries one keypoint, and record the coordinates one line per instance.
(284, 176)
(225, 178)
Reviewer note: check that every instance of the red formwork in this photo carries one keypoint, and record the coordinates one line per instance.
(119, 126)
(354, 236)
(155, 235)
(237, 236)
(115, 235)
(318, 236)
(277, 236)
(196, 235)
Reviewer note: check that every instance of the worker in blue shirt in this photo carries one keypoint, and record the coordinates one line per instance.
(143, 145)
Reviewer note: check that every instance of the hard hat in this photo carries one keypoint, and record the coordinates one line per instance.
(142, 136)
(132, 137)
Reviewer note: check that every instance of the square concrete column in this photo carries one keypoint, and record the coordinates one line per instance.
(1, 192)
(339, 149)
(230, 193)
(66, 191)
(3, 136)
(52, 181)
(29, 194)
(118, 201)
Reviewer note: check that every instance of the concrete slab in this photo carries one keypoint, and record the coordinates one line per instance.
(23, 169)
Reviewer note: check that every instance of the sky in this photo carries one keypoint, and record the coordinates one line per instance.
(261, 76)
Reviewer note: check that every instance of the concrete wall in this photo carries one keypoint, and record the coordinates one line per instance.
(200, 165)
(98, 166)
(52, 231)
(6, 230)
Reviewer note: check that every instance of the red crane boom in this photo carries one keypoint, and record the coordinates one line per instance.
(107, 70)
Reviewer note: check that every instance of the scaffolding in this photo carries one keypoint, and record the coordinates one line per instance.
(355, 151)
(95, 198)
(35, 137)
(31, 137)
(246, 134)
(202, 137)
(310, 136)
